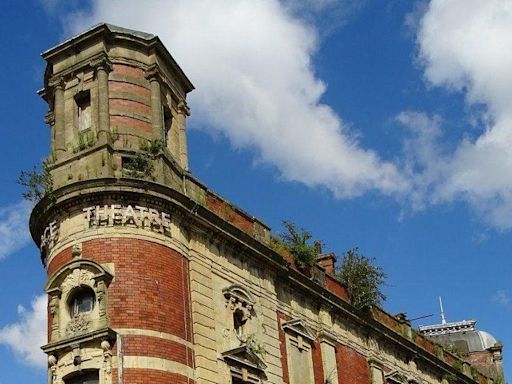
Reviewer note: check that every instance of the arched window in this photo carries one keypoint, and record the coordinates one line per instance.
(82, 301)
(84, 378)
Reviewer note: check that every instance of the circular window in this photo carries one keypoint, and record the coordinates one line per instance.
(82, 301)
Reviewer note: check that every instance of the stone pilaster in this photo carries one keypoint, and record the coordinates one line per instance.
(49, 119)
(153, 75)
(183, 112)
(60, 142)
(102, 68)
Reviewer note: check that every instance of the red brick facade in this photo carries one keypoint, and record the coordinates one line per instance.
(318, 368)
(150, 292)
(129, 99)
(352, 366)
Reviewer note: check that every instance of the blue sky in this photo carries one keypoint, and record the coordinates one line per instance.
(383, 125)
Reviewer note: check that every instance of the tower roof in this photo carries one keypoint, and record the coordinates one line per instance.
(116, 32)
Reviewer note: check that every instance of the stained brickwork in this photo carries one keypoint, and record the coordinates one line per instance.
(318, 369)
(352, 366)
(145, 376)
(281, 317)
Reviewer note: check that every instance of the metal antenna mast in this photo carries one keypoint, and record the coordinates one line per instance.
(443, 319)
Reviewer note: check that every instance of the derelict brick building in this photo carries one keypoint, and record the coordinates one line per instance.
(153, 278)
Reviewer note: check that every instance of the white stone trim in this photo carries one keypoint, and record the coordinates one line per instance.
(156, 363)
(151, 333)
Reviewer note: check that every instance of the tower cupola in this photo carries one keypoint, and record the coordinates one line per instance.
(117, 107)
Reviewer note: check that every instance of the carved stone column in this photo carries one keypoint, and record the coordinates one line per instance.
(107, 361)
(50, 120)
(183, 112)
(54, 309)
(103, 67)
(60, 141)
(101, 294)
(153, 76)
(52, 369)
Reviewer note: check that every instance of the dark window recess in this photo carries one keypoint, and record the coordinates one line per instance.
(167, 123)
(82, 301)
(239, 321)
(84, 378)
(83, 104)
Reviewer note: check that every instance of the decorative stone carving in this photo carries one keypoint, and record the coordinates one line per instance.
(107, 360)
(52, 374)
(101, 63)
(101, 296)
(183, 108)
(241, 304)
(76, 251)
(77, 325)
(77, 278)
(74, 277)
(54, 309)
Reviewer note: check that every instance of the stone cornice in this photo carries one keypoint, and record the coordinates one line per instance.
(100, 60)
(101, 334)
(104, 32)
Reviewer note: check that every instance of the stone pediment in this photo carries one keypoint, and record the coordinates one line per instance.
(299, 327)
(395, 377)
(244, 357)
(78, 272)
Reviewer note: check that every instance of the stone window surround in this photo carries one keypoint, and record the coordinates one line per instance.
(61, 287)
(298, 335)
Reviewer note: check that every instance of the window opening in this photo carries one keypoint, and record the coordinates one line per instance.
(82, 302)
(84, 378)
(83, 103)
(167, 123)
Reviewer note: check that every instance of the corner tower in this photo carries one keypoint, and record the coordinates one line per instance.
(112, 240)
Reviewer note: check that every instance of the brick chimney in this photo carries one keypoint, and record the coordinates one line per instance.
(327, 261)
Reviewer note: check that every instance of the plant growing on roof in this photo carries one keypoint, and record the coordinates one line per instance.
(141, 165)
(152, 147)
(86, 139)
(298, 242)
(363, 279)
(38, 182)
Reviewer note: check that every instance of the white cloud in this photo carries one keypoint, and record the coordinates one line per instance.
(26, 336)
(501, 297)
(423, 155)
(326, 15)
(14, 233)
(464, 45)
(251, 64)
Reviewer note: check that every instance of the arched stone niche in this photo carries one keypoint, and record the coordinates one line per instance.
(240, 305)
(80, 277)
